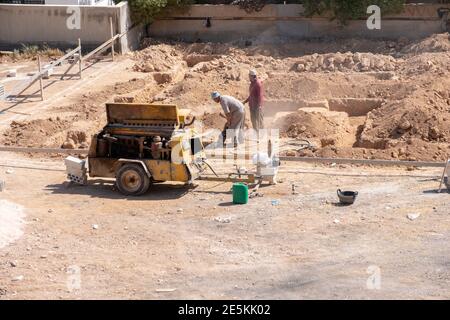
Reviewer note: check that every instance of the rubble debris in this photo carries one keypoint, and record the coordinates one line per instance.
(403, 86)
(11, 73)
(413, 216)
(162, 290)
(223, 219)
(18, 278)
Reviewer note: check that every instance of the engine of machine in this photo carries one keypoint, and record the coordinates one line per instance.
(124, 146)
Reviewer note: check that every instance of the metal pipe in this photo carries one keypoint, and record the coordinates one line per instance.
(365, 161)
(43, 150)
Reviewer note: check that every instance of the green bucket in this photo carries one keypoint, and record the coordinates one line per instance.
(240, 193)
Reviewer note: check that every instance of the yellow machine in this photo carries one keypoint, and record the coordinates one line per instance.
(144, 143)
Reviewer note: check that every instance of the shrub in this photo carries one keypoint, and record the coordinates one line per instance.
(344, 10)
(146, 10)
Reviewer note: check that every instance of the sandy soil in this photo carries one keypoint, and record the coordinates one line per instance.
(91, 242)
(356, 98)
(381, 99)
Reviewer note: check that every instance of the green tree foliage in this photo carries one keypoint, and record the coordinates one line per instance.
(344, 10)
(146, 10)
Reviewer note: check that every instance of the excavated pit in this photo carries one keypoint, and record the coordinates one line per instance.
(354, 98)
(336, 121)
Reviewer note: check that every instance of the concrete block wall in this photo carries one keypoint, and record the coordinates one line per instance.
(38, 24)
(277, 22)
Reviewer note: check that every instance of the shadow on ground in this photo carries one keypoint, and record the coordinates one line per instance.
(106, 190)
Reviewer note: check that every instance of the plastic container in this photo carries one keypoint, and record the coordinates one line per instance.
(346, 197)
(240, 193)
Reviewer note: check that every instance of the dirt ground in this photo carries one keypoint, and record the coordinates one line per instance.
(353, 99)
(372, 99)
(179, 242)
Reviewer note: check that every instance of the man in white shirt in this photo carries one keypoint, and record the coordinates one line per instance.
(234, 112)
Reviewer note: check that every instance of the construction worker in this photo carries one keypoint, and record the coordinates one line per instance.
(234, 113)
(255, 101)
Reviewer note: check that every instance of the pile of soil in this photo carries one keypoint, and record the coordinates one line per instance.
(330, 128)
(359, 62)
(400, 72)
(75, 125)
(434, 43)
(212, 121)
(425, 115)
(410, 150)
(35, 133)
(156, 57)
(412, 79)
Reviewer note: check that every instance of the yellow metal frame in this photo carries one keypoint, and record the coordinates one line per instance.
(138, 112)
(182, 167)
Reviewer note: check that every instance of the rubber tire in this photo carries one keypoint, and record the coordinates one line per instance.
(137, 168)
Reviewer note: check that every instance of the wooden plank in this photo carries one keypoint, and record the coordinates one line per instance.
(112, 35)
(67, 55)
(101, 47)
(443, 175)
(41, 87)
(80, 59)
(26, 85)
(43, 150)
(365, 162)
(40, 74)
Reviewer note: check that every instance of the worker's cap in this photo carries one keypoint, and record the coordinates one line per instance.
(252, 73)
(215, 95)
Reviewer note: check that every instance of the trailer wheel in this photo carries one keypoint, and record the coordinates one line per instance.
(132, 180)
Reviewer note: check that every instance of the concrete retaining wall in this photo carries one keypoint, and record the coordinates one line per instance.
(277, 22)
(39, 24)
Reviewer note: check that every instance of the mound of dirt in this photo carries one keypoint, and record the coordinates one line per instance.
(410, 79)
(330, 128)
(36, 133)
(424, 116)
(156, 57)
(212, 121)
(195, 89)
(434, 43)
(360, 62)
(193, 59)
(410, 150)
(75, 139)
